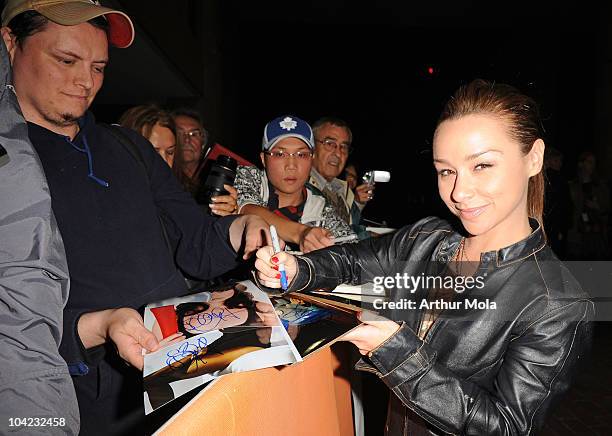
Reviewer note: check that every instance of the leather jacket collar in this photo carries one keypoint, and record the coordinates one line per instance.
(502, 257)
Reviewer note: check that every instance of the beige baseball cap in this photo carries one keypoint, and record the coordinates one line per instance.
(73, 12)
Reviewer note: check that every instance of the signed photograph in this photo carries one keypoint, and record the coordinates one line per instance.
(311, 326)
(228, 329)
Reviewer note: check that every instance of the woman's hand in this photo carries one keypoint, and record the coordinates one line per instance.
(223, 205)
(374, 331)
(267, 265)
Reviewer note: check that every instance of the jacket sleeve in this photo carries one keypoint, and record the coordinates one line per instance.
(248, 185)
(200, 242)
(34, 379)
(333, 223)
(535, 372)
(357, 263)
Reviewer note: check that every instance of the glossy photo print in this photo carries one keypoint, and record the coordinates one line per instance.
(232, 328)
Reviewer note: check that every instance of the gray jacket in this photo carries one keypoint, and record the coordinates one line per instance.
(34, 379)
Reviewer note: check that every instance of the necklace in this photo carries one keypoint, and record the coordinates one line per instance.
(436, 296)
(459, 258)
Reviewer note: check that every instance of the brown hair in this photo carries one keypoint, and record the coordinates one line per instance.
(143, 118)
(519, 111)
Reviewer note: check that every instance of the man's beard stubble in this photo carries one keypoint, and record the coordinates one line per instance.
(63, 119)
(69, 119)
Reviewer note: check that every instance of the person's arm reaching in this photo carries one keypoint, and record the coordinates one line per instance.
(307, 237)
(251, 184)
(124, 327)
(199, 242)
(533, 374)
(248, 233)
(289, 231)
(347, 263)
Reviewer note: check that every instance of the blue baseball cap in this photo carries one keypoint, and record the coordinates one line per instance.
(286, 126)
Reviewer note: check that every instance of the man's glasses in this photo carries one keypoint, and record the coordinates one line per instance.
(302, 155)
(331, 145)
(195, 133)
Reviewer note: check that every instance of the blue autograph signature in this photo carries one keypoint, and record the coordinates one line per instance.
(297, 314)
(186, 349)
(207, 321)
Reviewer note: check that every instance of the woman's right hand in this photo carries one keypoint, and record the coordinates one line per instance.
(267, 265)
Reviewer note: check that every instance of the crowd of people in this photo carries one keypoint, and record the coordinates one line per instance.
(98, 220)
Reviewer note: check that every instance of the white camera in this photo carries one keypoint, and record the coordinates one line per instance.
(372, 177)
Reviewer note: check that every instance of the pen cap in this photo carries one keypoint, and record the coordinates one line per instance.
(275, 241)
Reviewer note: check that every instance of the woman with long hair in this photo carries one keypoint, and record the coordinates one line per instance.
(156, 125)
(491, 357)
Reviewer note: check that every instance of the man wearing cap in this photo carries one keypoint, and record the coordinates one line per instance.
(279, 193)
(333, 139)
(112, 208)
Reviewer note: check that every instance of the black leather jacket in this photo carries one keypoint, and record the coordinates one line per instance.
(477, 372)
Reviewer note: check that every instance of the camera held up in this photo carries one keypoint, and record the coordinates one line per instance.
(222, 172)
(371, 177)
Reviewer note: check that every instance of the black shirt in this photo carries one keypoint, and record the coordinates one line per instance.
(108, 212)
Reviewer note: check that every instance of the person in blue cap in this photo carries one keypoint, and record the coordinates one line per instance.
(280, 193)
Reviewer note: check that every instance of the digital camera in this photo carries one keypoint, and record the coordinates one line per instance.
(372, 177)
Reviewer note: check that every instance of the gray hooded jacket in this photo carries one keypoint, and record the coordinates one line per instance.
(36, 392)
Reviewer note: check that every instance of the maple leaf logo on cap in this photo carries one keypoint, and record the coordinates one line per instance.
(287, 124)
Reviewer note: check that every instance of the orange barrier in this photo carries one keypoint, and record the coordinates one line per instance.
(308, 398)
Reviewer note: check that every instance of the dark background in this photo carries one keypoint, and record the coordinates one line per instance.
(244, 63)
